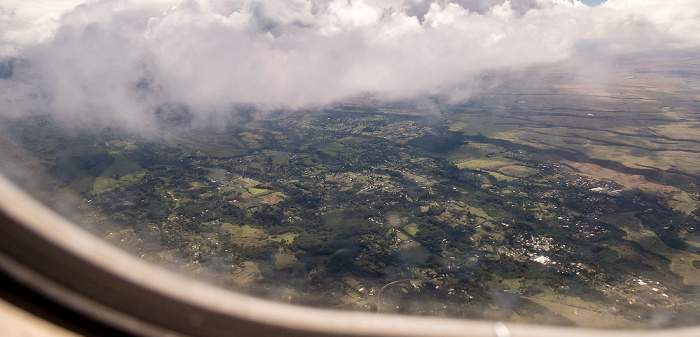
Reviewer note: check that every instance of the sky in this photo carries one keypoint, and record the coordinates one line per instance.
(592, 2)
(116, 62)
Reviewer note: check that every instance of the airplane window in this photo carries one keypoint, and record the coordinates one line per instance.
(507, 164)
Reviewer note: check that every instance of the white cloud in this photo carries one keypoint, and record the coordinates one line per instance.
(24, 22)
(117, 61)
(344, 15)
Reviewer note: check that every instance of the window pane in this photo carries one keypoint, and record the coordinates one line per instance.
(391, 158)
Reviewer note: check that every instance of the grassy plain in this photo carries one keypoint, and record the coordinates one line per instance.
(681, 261)
(637, 121)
